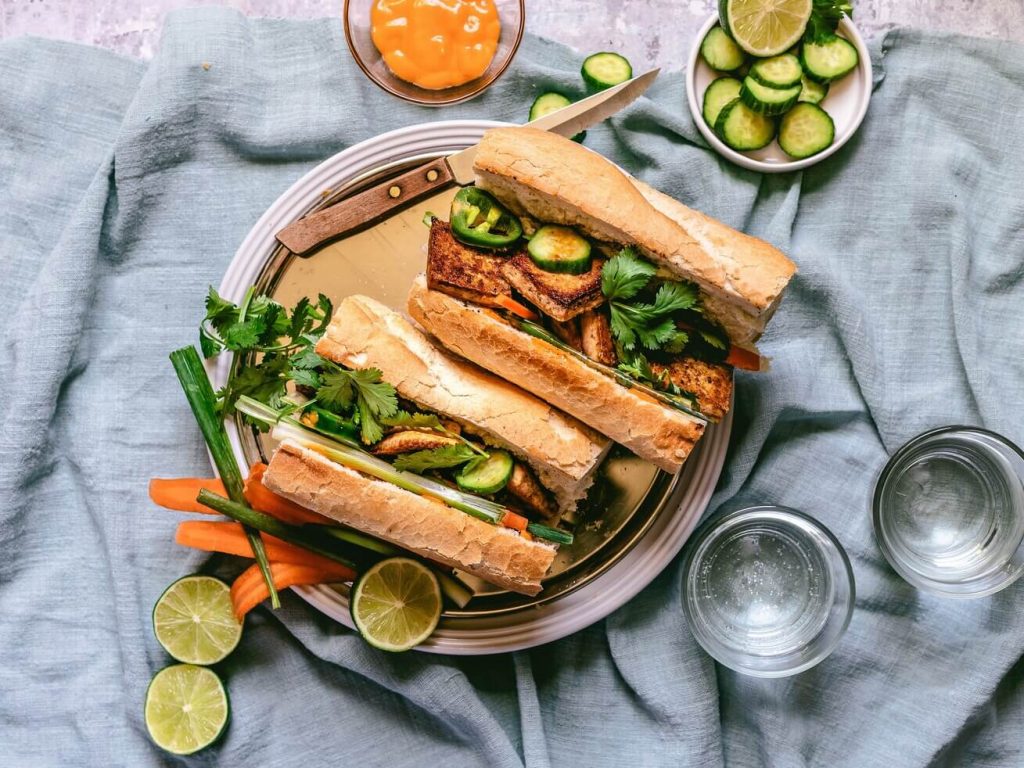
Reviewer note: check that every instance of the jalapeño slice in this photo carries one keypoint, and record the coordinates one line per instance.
(478, 219)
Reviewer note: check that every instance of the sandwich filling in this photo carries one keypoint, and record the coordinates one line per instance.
(592, 299)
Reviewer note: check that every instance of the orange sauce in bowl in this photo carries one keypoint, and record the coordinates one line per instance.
(435, 44)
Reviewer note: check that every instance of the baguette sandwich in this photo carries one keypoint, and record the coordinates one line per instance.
(596, 292)
(497, 466)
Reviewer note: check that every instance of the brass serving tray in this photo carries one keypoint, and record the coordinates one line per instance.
(628, 495)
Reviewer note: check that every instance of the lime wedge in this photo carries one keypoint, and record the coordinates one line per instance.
(193, 620)
(396, 604)
(765, 27)
(186, 708)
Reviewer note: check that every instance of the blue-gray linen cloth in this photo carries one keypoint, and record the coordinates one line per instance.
(125, 188)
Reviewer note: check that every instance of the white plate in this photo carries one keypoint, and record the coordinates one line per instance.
(535, 625)
(847, 103)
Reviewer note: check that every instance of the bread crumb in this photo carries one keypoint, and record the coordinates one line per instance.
(206, 66)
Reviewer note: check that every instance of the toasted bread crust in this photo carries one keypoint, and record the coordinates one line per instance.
(424, 526)
(651, 430)
(563, 452)
(558, 181)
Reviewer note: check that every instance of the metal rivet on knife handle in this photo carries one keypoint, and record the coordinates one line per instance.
(365, 208)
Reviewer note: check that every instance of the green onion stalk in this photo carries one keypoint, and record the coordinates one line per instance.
(201, 398)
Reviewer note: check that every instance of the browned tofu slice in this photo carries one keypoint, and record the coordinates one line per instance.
(709, 382)
(560, 296)
(463, 272)
(596, 334)
(411, 440)
(524, 486)
(569, 332)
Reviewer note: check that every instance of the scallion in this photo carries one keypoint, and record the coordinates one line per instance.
(201, 398)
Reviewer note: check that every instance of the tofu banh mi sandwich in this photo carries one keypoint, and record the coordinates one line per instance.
(496, 466)
(594, 291)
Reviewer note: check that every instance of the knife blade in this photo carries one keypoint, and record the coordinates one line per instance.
(371, 205)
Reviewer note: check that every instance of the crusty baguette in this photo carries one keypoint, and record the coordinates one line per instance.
(658, 433)
(424, 526)
(563, 452)
(555, 180)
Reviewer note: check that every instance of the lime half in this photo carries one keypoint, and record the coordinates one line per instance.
(396, 604)
(186, 708)
(765, 27)
(194, 621)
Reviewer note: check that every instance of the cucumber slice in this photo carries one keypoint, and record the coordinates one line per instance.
(812, 92)
(718, 94)
(830, 60)
(742, 128)
(559, 249)
(721, 52)
(766, 100)
(777, 72)
(487, 476)
(806, 130)
(550, 102)
(605, 69)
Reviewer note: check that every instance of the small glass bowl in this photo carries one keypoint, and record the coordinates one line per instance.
(356, 16)
(948, 512)
(767, 591)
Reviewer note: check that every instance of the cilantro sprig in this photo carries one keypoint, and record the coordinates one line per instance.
(825, 18)
(651, 325)
(445, 457)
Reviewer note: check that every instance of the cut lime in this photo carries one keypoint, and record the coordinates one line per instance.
(194, 621)
(765, 27)
(186, 708)
(396, 604)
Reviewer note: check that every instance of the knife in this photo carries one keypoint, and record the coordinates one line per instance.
(380, 201)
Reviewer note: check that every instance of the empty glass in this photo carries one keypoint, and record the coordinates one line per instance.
(767, 591)
(948, 512)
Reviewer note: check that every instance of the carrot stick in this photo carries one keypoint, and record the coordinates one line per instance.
(515, 521)
(744, 359)
(230, 539)
(513, 306)
(249, 589)
(180, 492)
(266, 501)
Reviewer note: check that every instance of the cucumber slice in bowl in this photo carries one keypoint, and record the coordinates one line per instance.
(806, 130)
(559, 249)
(487, 476)
(812, 92)
(830, 60)
(719, 93)
(721, 52)
(766, 100)
(605, 69)
(743, 129)
(777, 72)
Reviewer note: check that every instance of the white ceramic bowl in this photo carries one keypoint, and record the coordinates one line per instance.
(847, 103)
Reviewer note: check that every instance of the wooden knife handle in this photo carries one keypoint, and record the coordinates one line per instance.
(369, 206)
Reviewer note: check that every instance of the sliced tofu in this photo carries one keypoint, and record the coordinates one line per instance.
(569, 332)
(596, 335)
(464, 272)
(412, 440)
(524, 486)
(711, 383)
(559, 296)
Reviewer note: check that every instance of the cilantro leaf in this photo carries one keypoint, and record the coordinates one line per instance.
(825, 17)
(436, 458)
(714, 340)
(300, 318)
(304, 377)
(307, 359)
(220, 313)
(244, 335)
(335, 392)
(625, 274)
(264, 382)
(378, 395)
